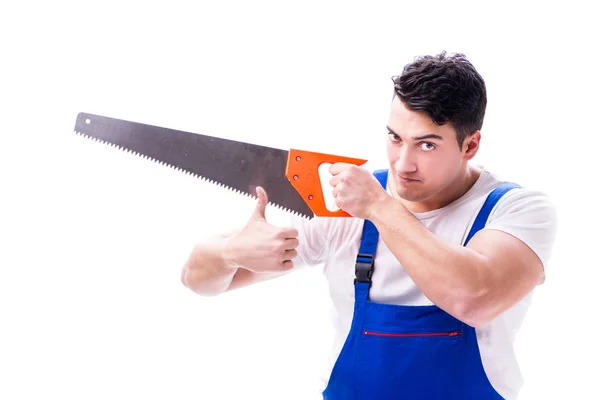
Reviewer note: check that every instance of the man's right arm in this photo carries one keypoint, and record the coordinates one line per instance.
(257, 252)
(210, 269)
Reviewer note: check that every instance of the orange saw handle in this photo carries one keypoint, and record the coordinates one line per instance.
(302, 171)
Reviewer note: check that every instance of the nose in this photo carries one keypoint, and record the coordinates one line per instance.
(406, 163)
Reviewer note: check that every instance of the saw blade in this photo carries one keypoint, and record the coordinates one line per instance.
(236, 165)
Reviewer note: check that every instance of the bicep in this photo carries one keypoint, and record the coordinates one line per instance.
(525, 223)
(513, 269)
(507, 271)
(512, 252)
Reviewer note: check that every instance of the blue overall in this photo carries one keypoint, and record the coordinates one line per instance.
(408, 352)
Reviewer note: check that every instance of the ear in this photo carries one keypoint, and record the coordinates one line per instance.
(471, 145)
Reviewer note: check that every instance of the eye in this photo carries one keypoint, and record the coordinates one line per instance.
(394, 137)
(427, 146)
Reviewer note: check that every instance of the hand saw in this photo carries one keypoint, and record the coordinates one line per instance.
(290, 177)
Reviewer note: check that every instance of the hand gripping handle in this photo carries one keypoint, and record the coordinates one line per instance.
(302, 171)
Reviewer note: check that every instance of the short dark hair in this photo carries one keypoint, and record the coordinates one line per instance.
(447, 88)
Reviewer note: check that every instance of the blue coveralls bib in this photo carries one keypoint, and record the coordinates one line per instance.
(408, 352)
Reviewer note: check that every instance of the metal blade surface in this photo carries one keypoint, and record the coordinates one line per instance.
(236, 165)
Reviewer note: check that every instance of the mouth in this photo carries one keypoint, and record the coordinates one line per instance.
(406, 180)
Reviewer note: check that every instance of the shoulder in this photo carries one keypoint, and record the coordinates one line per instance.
(520, 202)
(527, 214)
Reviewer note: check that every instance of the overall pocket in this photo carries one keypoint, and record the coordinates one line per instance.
(411, 356)
(419, 334)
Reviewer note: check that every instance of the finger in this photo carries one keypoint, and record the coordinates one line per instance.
(290, 255)
(335, 180)
(288, 233)
(261, 205)
(291, 244)
(287, 264)
(335, 191)
(338, 167)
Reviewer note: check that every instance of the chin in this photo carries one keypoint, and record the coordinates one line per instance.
(411, 196)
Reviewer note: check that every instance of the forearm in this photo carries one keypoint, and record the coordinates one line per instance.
(206, 271)
(453, 277)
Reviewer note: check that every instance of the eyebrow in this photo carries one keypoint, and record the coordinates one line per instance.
(428, 136)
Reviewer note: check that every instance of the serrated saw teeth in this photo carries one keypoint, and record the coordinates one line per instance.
(219, 185)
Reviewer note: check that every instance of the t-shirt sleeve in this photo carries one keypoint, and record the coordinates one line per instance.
(529, 216)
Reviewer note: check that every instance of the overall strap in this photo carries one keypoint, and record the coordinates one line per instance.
(487, 207)
(368, 246)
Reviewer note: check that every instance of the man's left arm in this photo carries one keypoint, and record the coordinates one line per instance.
(474, 283)
(477, 282)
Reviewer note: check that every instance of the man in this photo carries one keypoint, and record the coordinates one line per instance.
(432, 278)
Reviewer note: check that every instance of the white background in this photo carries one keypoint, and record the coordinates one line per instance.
(93, 239)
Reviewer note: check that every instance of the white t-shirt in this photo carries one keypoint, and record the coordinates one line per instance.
(334, 242)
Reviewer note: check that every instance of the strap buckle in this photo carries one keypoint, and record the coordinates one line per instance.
(364, 268)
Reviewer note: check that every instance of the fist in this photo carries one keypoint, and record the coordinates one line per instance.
(355, 189)
(260, 246)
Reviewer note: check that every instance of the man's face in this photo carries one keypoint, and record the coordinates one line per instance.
(425, 159)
